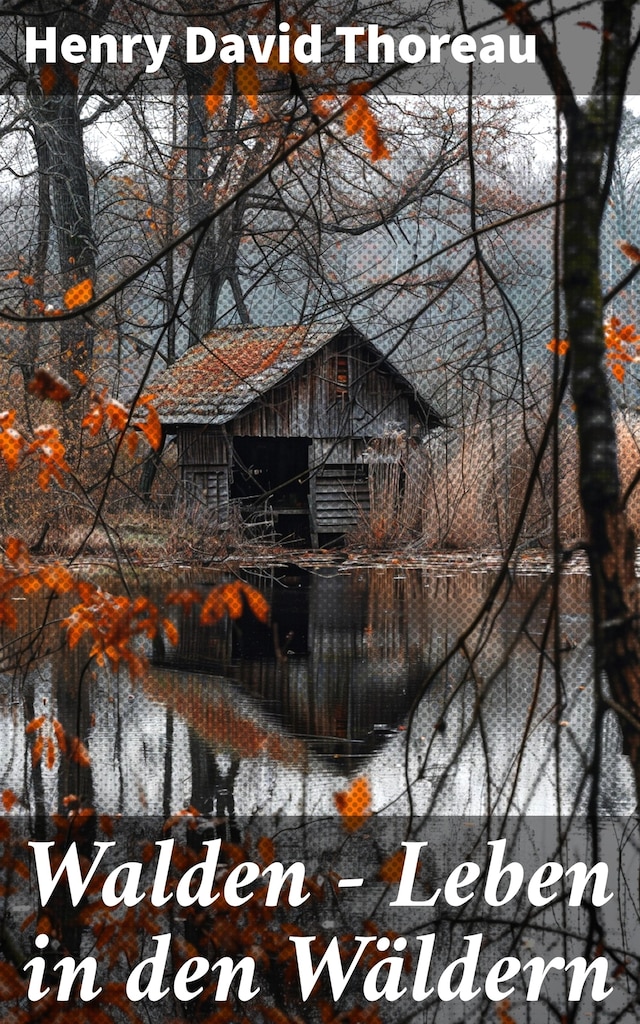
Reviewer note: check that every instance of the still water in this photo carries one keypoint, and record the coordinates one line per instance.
(358, 673)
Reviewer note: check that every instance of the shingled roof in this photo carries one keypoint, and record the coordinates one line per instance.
(218, 378)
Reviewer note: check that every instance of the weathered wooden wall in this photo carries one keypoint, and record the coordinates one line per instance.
(204, 459)
(203, 446)
(314, 403)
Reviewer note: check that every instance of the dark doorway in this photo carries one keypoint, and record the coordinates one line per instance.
(272, 474)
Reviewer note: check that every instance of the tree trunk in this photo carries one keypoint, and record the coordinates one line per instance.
(611, 543)
(62, 130)
(215, 262)
(593, 130)
(61, 156)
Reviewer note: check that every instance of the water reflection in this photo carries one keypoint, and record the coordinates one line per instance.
(339, 665)
(241, 718)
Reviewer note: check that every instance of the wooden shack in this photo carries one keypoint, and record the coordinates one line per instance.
(276, 420)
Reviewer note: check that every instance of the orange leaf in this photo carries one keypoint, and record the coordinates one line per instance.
(45, 384)
(151, 427)
(57, 578)
(17, 552)
(213, 98)
(257, 603)
(12, 443)
(185, 599)
(48, 79)
(106, 824)
(117, 414)
(320, 104)
(132, 442)
(510, 13)
(8, 615)
(391, 869)
(50, 450)
(502, 1012)
(213, 608)
(621, 341)
(35, 724)
(630, 250)
(560, 347)
(51, 753)
(94, 420)
(360, 118)
(78, 294)
(170, 632)
(232, 597)
(9, 799)
(28, 582)
(60, 735)
(79, 753)
(36, 753)
(248, 83)
(354, 804)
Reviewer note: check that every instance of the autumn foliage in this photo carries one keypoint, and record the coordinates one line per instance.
(114, 624)
(621, 340)
(359, 118)
(108, 413)
(45, 445)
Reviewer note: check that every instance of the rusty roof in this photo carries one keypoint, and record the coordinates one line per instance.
(217, 379)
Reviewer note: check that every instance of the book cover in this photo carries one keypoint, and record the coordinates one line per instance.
(319, 454)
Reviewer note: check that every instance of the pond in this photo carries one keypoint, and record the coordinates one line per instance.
(246, 746)
(359, 672)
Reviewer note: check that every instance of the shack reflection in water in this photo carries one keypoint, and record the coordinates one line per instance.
(339, 664)
(240, 718)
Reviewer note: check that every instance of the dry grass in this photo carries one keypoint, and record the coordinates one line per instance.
(476, 493)
(465, 489)
(628, 431)
(99, 512)
(97, 508)
(457, 509)
(398, 474)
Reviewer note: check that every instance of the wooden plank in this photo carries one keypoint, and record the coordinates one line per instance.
(201, 447)
(341, 497)
(313, 510)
